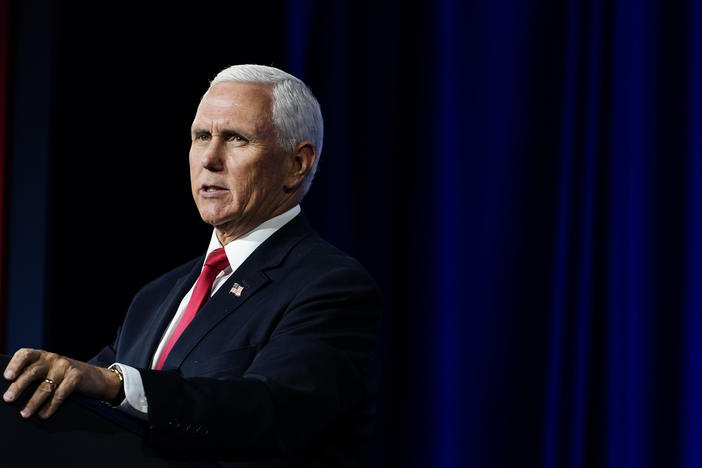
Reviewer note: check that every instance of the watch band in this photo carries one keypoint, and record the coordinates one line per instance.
(120, 395)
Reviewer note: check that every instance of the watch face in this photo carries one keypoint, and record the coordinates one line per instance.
(119, 398)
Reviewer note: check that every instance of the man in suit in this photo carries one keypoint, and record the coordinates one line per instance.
(263, 348)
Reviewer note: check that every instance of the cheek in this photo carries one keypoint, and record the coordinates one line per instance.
(197, 171)
(269, 170)
(192, 166)
(258, 182)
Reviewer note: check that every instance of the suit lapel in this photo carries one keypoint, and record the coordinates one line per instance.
(165, 313)
(250, 277)
(220, 306)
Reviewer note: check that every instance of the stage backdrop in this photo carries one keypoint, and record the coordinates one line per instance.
(523, 179)
(4, 74)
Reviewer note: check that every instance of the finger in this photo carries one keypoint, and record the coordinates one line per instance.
(62, 392)
(41, 394)
(19, 361)
(33, 372)
(54, 376)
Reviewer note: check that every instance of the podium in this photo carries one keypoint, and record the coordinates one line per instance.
(83, 433)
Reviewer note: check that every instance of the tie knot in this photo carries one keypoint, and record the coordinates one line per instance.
(217, 260)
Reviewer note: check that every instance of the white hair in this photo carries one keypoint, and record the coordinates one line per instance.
(296, 113)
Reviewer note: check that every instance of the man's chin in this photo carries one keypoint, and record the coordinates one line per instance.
(228, 229)
(215, 221)
(219, 223)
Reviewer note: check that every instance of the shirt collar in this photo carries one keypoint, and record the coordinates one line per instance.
(240, 248)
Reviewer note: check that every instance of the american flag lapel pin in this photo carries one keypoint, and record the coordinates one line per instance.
(236, 289)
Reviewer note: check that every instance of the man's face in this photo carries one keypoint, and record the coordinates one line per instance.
(237, 168)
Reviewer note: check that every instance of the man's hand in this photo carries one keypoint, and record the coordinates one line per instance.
(59, 376)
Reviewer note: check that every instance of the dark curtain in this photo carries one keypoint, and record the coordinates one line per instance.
(521, 178)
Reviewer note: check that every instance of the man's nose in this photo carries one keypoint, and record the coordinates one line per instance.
(213, 155)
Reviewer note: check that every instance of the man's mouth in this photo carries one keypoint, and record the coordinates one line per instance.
(211, 189)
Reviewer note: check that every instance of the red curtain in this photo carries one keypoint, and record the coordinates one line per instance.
(4, 74)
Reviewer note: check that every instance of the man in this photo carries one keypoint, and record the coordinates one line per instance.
(263, 348)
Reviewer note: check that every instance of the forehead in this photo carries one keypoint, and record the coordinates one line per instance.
(235, 103)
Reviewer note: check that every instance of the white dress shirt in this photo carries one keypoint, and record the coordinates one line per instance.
(237, 251)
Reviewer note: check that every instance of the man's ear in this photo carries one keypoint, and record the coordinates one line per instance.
(303, 159)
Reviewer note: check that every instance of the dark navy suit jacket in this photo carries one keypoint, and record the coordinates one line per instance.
(280, 373)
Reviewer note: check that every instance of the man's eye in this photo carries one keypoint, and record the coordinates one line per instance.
(237, 138)
(202, 137)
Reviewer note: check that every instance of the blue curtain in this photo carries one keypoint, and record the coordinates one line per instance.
(531, 172)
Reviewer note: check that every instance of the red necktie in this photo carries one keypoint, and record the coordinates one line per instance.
(216, 262)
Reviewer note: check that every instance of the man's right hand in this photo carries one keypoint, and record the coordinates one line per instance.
(60, 377)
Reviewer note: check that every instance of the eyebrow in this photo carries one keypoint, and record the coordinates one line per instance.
(229, 128)
(198, 131)
(224, 132)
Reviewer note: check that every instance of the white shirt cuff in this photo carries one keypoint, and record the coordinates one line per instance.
(135, 398)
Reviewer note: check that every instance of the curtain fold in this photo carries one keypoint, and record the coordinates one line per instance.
(692, 323)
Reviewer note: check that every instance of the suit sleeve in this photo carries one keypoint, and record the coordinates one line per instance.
(310, 382)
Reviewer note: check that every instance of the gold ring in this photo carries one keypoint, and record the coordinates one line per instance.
(51, 383)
